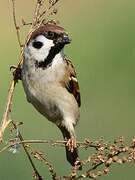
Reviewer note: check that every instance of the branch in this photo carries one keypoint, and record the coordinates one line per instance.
(36, 13)
(15, 24)
(36, 173)
(86, 144)
(100, 161)
(52, 3)
(6, 121)
(41, 157)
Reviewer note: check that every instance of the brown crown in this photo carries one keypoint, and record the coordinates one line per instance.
(47, 27)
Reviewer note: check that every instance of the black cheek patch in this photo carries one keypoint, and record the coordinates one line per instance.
(47, 61)
(37, 44)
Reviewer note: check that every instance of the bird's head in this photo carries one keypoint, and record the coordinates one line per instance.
(47, 41)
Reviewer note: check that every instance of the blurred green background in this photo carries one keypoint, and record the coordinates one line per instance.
(103, 51)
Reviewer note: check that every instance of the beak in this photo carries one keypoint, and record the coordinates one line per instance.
(64, 39)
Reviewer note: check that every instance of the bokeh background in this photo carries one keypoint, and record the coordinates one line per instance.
(103, 51)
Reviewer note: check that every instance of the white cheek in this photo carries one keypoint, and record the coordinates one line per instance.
(42, 53)
(47, 42)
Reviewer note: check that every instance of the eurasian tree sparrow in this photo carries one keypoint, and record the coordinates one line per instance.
(50, 82)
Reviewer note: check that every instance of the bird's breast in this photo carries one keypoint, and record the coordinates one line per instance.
(44, 91)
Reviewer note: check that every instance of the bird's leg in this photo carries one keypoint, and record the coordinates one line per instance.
(71, 144)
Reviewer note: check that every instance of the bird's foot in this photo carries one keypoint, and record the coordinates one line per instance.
(16, 72)
(71, 144)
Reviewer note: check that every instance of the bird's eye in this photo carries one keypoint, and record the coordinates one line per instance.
(50, 34)
(37, 44)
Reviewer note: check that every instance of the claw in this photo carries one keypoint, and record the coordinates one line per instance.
(71, 144)
(13, 67)
(16, 72)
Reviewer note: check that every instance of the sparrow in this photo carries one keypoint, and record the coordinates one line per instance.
(50, 83)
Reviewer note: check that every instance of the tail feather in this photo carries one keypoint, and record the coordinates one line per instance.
(71, 156)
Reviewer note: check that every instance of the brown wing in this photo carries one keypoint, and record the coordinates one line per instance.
(72, 83)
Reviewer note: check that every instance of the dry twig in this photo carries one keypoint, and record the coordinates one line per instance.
(98, 163)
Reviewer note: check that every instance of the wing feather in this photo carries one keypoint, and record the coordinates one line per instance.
(72, 84)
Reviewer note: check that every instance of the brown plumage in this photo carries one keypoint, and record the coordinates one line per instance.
(72, 84)
(45, 28)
